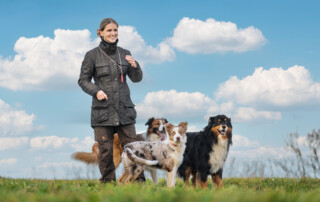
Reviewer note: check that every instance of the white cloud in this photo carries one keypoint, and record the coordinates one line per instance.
(211, 36)
(173, 104)
(131, 40)
(241, 141)
(247, 114)
(14, 122)
(51, 142)
(12, 142)
(243, 114)
(192, 128)
(44, 63)
(59, 164)
(261, 152)
(83, 145)
(6, 162)
(276, 86)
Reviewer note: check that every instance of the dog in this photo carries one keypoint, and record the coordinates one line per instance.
(206, 152)
(155, 132)
(166, 155)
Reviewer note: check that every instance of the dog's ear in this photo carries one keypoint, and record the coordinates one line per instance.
(169, 127)
(165, 120)
(211, 120)
(229, 121)
(149, 122)
(210, 123)
(183, 126)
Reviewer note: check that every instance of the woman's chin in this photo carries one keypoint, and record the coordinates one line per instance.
(111, 40)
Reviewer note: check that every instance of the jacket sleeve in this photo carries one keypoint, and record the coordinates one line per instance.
(86, 74)
(135, 74)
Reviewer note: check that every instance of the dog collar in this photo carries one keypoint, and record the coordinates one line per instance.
(174, 144)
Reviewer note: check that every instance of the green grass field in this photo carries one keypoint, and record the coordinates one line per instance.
(235, 189)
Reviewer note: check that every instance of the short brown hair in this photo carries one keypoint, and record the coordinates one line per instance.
(103, 24)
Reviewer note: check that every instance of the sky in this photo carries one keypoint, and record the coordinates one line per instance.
(255, 61)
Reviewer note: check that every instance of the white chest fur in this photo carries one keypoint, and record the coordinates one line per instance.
(177, 155)
(219, 155)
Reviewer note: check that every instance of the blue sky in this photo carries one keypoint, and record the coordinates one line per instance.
(255, 61)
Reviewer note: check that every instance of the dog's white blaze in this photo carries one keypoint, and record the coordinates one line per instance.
(219, 154)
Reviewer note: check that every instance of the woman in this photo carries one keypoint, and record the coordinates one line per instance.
(112, 110)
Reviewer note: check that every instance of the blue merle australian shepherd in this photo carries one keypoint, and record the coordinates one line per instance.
(206, 152)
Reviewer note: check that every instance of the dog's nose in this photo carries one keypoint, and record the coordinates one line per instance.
(178, 138)
(223, 127)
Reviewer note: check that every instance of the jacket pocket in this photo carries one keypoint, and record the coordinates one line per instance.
(102, 69)
(130, 111)
(99, 114)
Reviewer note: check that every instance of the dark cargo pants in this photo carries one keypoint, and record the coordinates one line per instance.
(104, 137)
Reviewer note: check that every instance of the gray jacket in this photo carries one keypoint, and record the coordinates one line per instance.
(118, 109)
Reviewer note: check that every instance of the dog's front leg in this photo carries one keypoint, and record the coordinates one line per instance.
(171, 178)
(154, 176)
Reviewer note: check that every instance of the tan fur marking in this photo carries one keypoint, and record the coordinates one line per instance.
(217, 180)
(187, 174)
(204, 185)
(215, 130)
(155, 124)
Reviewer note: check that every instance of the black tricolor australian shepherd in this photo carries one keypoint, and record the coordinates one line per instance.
(206, 152)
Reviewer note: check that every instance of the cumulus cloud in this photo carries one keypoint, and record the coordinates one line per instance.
(59, 165)
(51, 142)
(211, 36)
(173, 104)
(46, 142)
(12, 142)
(44, 63)
(261, 152)
(246, 114)
(83, 145)
(276, 86)
(131, 40)
(14, 122)
(241, 141)
(243, 114)
(6, 162)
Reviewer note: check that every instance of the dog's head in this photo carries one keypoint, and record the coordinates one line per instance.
(157, 126)
(221, 127)
(177, 134)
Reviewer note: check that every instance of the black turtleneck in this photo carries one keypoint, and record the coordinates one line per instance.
(108, 48)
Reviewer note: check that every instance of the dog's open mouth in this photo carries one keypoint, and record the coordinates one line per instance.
(222, 132)
(162, 135)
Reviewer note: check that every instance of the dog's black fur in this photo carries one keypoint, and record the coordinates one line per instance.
(199, 147)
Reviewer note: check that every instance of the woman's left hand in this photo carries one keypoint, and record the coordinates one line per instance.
(131, 60)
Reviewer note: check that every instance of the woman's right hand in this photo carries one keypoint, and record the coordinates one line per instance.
(101, 95)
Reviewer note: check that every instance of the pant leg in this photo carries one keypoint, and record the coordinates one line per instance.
(127, 134)
(104, 137)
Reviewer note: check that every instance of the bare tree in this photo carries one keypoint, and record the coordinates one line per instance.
(306, 162)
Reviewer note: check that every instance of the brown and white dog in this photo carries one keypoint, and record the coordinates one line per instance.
(155, 132)
(166, 155)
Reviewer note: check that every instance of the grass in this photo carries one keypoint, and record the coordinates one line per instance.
(235, 189)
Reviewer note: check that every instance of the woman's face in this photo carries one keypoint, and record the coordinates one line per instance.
(110, 33)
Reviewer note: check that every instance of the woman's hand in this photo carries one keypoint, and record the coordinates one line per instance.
(101, 95)
(131, 60)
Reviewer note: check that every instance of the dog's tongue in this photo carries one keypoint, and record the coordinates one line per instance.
(162, 136)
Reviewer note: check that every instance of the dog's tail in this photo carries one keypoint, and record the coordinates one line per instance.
(139, 160)
(86, 157)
